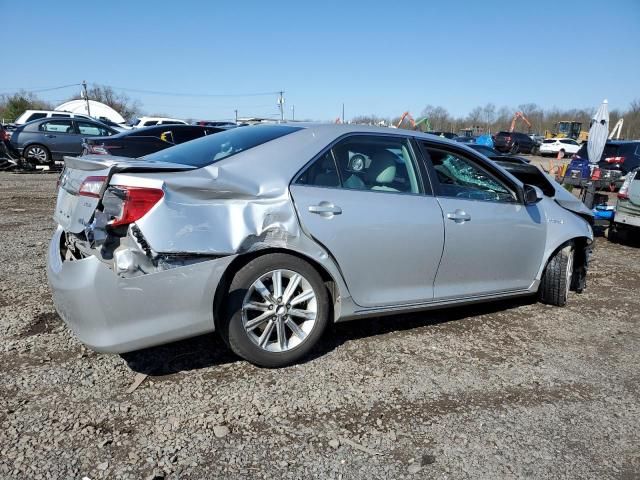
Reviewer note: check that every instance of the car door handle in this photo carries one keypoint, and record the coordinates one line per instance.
(325, 209)
(50, 136)
(459, 216)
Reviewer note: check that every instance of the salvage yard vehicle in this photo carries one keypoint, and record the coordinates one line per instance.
(514, 142)
(31, 115)
(143, 141)
(493, 154)
(618, 158)
(627, 216)
(42, 141)
(267, 233)
(150, 121)
(553, 146)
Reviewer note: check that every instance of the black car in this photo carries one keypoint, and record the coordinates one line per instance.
(143, 141)
(448, 135)
(46, 140)
(514, 142)
(493, 154)
(618, 158)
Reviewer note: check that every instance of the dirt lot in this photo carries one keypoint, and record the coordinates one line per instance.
(505, 390)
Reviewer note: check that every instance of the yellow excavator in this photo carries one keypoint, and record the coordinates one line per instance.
(568, 129)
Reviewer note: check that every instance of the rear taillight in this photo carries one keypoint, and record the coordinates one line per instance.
(596, 174)
(136, 203)
(623, 193)
(99, 149)
(614, 160)
(92, 186)
(4, 137)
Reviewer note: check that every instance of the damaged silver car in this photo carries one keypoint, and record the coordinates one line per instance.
(268, 233)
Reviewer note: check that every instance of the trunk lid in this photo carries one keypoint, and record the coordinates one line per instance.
(74, 211)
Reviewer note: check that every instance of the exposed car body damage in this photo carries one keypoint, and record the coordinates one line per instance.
(205, 221)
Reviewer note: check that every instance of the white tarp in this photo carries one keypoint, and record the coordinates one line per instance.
(98, 109)
(598, 133)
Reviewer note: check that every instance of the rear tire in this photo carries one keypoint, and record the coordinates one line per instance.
(290, 327)
(37, 154)
(515, 148)
(557, 277)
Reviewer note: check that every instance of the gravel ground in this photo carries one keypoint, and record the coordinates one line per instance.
(509, 389)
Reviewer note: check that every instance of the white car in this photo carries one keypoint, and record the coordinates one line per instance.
(552, 146)
(30, 115)
(149, 121)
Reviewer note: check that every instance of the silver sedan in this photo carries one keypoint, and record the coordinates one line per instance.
(268, 233)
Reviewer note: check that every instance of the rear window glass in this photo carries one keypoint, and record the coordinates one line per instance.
(207, 150)
(549, 141)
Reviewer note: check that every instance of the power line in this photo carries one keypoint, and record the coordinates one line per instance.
(43, 89)
(177, 94)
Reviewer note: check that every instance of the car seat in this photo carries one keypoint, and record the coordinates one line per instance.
(382, 171)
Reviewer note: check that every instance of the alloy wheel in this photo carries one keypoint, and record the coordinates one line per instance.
(37, 153)
(569, 271)
(279, 310)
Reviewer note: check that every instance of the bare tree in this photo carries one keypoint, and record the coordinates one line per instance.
(120, 102)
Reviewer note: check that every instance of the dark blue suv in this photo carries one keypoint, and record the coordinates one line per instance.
(618, 158)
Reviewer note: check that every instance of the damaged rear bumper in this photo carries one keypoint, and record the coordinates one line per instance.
(110, 313)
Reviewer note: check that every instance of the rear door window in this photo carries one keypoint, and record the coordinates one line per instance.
(366, 162)
(57, 126)
(86, 128)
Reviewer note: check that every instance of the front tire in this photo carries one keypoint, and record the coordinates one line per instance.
(515, 148)
(277, 309)
(557, 277)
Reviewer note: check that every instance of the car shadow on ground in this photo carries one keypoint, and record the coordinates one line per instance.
(209, 350)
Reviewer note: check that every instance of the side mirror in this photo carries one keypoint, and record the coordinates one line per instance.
(532, 195)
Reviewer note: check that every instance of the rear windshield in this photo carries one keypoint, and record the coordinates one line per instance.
(610, 150)
(207, 150)
(549, 141)
(503, 134)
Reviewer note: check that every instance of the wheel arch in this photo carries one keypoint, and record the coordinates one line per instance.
(34, 143)
(582, 250)
(329, 279)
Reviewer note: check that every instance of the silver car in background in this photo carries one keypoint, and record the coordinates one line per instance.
(268, 233)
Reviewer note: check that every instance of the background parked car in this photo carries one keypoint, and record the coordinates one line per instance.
(448, 135)
(514, 142)
(618, 158)
(149, 121)
(143, 141)
(493, 154)
(31, 115)
(215, 123)
(552, 146)
(49, 139)
(627, 217)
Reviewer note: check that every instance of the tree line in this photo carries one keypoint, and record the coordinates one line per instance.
(489, 118)
(492, 119)
(12, 106)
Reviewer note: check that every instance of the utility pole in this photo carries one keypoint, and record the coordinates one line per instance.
(342, 112)
(86, 96)
(236, 112)
(293, 113)
(281, 105)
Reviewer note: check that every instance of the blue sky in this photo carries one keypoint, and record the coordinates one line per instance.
(376, 57)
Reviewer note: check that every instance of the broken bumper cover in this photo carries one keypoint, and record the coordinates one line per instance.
(113, 314)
